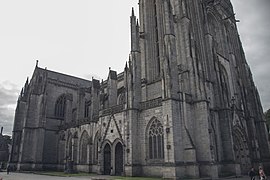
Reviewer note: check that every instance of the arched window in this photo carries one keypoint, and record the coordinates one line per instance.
(69, 148)
(156, 140)
(75, 147)
(74, 114)
(154, 31)
(225, 88)
(87, 105)
(84, 148)
(216, 31)
(60, 107)
(121, 99)
(96, 147)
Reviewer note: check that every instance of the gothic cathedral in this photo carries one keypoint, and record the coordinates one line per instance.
(184, 106)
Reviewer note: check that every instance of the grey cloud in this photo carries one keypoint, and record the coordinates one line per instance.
(6, 119)
(8, 97)
(254, 28)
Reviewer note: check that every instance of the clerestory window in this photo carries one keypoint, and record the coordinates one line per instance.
(60, 107)
(87, 105)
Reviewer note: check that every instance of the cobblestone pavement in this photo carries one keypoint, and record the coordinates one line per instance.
(29, 176)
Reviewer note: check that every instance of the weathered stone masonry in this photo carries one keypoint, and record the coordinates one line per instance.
(184, 106)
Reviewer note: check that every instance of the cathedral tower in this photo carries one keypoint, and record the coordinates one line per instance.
(192, 58)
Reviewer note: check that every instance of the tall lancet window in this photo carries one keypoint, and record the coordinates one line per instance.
(157, 38)
(153, 30)
(156, 140)
(60, 107)
(224, 83)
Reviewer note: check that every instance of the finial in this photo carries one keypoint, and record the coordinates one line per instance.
(126, 66)
(132, 12)
(109, 68)
(36, 63)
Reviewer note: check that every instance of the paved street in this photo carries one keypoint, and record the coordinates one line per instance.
(28, 176)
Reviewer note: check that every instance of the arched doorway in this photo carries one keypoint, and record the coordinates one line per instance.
(107, 159)
(241, 150)
(119, 159)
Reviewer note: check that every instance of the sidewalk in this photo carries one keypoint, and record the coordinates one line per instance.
(32, 176)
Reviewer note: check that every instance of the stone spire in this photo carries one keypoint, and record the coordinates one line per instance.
(134, 32)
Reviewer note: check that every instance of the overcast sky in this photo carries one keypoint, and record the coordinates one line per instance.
(84, 38)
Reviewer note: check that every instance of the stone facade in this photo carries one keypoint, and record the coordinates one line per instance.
(184, 106)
